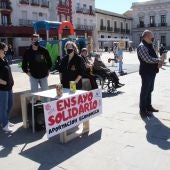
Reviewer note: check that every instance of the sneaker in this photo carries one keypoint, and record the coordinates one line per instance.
(10, 124)
(7, 129)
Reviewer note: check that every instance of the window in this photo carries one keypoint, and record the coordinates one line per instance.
(121, 25)
(102, 36)
(68, 18)
(78, 21)
(62, 17)
(141, 21)
(163, 19)
(91, 22)
(163, 40)
(109, 36)
(78, 5)
(127, 26)
(35, 16)
(101, 22)
(24, 14)
(108, 23)
(152, 20)
(115, 24)
(4, 19)
(85, 21)
(84, 6)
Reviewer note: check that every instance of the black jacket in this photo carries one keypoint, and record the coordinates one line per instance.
(6, 75)
(38, 63)
(70, 70)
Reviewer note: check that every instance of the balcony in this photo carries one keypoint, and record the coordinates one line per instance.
(102, 28)
(152, 25)
(85, 11)
(35, 3)
(85, 27)
(141, 25)
(24, 1)
(45, 4)
(5, 5)
(116, 30)
(127, 31)
(110, 29)
(26, 22)
(79, 10)
(162, 25)
(122, 31)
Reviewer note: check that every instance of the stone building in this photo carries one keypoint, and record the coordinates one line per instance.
(155, 16)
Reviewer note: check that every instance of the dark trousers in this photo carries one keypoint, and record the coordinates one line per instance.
(92, 81)
(148, 81)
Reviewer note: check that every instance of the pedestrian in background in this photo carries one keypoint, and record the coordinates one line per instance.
(6, 94)
(149, 67)
(36, 64)
(10, 54)
(120, 61)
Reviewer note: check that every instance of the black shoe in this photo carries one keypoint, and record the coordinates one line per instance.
(151, 109)
(121, 84)
(117, 86)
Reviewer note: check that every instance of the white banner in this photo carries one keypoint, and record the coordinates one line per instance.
(63, 114)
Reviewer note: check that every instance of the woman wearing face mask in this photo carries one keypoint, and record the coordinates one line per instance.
(6, 84)
(72, 66)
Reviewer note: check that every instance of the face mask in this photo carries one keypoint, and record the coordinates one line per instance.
(69, 51)
(36, 43)
(99, 59)
(152, 39)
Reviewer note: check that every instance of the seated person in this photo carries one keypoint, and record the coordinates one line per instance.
(100, 68)
(89, 69)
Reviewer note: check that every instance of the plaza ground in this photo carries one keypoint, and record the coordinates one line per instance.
(118, 139)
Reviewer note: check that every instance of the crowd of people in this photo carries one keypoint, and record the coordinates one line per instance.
(75, 66)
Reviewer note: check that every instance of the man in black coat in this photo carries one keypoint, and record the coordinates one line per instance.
(149, 67)
(36, 64)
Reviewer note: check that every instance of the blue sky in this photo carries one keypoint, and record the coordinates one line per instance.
(118, 6)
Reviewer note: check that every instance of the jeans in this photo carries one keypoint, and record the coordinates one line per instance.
(148, 81)
(35, 82)
(120, 66)
(6, 101)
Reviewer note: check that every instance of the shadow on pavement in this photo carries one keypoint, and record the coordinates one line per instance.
(20, 137)
(51, 153)
(114, 94)
(157, 133)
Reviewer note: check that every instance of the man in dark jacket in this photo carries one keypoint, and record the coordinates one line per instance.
(36, 64)
(149, 66)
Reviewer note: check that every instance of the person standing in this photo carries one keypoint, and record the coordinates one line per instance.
(120, 61)
(6, 95)
(9, 54)
(72, 66)
(36, 64)
(149, 67)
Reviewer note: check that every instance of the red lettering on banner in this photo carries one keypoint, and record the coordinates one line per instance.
(86, 107)
(59, 105)
(74, 112)
(58, 117)
(81, 109)
(73, 101)
(90, 96)
(66, 103)
(51, 120)
(80, 99)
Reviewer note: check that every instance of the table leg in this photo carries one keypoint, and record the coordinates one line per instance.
(33, 120)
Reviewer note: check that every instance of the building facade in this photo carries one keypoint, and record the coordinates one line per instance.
(112, 26)
(155, 16)
(16, 20)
